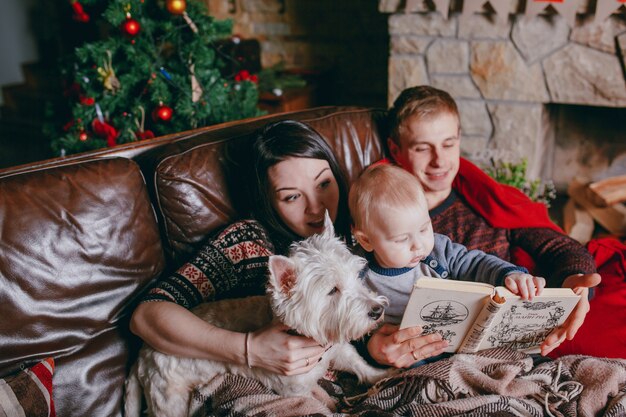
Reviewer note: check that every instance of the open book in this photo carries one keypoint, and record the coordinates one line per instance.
(473, 316)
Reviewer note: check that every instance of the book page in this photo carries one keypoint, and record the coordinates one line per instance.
(523, 325)
(478, 331)
(445, 306)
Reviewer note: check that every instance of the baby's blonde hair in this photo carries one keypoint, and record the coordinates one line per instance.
(380, 188)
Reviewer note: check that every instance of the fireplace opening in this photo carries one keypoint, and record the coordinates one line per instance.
(589, 143)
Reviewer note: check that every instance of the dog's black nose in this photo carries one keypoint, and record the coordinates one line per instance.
(376, 312)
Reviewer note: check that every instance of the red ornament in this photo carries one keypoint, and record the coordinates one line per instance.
(162, 113)
(86, 101)
(130, 26)
(83, 136)
(244, 75)
(67, 126)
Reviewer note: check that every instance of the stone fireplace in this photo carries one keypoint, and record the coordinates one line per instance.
(531, 88)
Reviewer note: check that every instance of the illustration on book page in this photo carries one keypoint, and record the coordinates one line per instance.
(443, 314)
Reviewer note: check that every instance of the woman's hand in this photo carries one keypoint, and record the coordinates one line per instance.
(402, 348)
(172, 329)
(525, 285)
(580, 283)
(274, 349)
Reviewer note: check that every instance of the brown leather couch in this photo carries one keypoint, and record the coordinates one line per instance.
(82, 237)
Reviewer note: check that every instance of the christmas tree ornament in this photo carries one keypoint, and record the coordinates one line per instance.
(196, 89)
(67, 126)
(141, 133)
(146, 134)
(176, 6)
(244, 75)
(130, 26)
(165, 74)
(99, 113)
(190, 22)
(107, 75)
(106, 131)
(179, 7)
(162, 113)
(79, 13)
(83, 136)
(86, 101)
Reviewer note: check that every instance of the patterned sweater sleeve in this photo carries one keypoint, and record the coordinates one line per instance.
(232, 264)
(556, 256)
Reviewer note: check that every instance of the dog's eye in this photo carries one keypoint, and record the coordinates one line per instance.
(333, 291)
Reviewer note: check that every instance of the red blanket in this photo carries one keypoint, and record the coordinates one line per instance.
(604, 330)
(500, 205)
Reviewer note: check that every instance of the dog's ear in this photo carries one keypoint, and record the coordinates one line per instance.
(282, 274)
(329, 229)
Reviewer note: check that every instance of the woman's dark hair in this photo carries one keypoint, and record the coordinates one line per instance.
(277, 142)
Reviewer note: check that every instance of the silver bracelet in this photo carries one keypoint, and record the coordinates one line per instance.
(247, 350)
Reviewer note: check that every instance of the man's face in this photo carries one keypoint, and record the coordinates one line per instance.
(430, 149)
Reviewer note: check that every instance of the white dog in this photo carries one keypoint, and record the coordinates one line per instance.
(316, 291)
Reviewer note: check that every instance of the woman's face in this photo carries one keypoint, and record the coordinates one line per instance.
(301, 190)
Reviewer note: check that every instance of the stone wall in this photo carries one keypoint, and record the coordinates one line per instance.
(347, 40)
(503, 71)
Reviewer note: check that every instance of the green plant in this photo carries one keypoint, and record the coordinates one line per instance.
(514, 174)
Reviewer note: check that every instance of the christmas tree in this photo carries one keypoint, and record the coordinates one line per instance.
(157, 71)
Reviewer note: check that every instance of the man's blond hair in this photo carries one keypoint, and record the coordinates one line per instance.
(422, 101)
(382, 187)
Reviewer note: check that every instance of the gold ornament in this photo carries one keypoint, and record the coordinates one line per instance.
(107, 76)
(176, 6)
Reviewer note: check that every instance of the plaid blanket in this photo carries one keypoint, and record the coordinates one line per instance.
(495, 382)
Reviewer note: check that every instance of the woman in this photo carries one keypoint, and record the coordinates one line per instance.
(297, 180)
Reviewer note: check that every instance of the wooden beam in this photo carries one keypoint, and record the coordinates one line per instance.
(612, 218)
(608, 191)
(577, 222)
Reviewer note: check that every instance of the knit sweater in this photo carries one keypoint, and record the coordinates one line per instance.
(232, 264)
(447, 260)
(556, 255)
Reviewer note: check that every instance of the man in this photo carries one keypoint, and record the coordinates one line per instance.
(471, 209)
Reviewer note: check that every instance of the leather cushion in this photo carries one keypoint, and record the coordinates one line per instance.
(200, 188)
(78, 244)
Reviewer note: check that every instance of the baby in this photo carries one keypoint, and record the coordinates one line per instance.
(391, 224)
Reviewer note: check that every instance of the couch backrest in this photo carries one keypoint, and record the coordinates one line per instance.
(77, 243)
(198, 182)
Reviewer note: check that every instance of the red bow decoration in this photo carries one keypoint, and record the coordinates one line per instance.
(86, 101)
(244, 75)
(79, 14)
(105, 131)
(146, 134)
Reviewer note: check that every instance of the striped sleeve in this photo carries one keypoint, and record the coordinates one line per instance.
(233, 264)
(29, 392)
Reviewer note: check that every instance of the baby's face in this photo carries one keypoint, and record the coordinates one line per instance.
(401, 237)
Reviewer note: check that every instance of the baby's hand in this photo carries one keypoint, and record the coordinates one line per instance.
(524, 285)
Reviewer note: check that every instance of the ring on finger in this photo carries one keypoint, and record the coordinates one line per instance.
(307, 361)
(414, 355)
